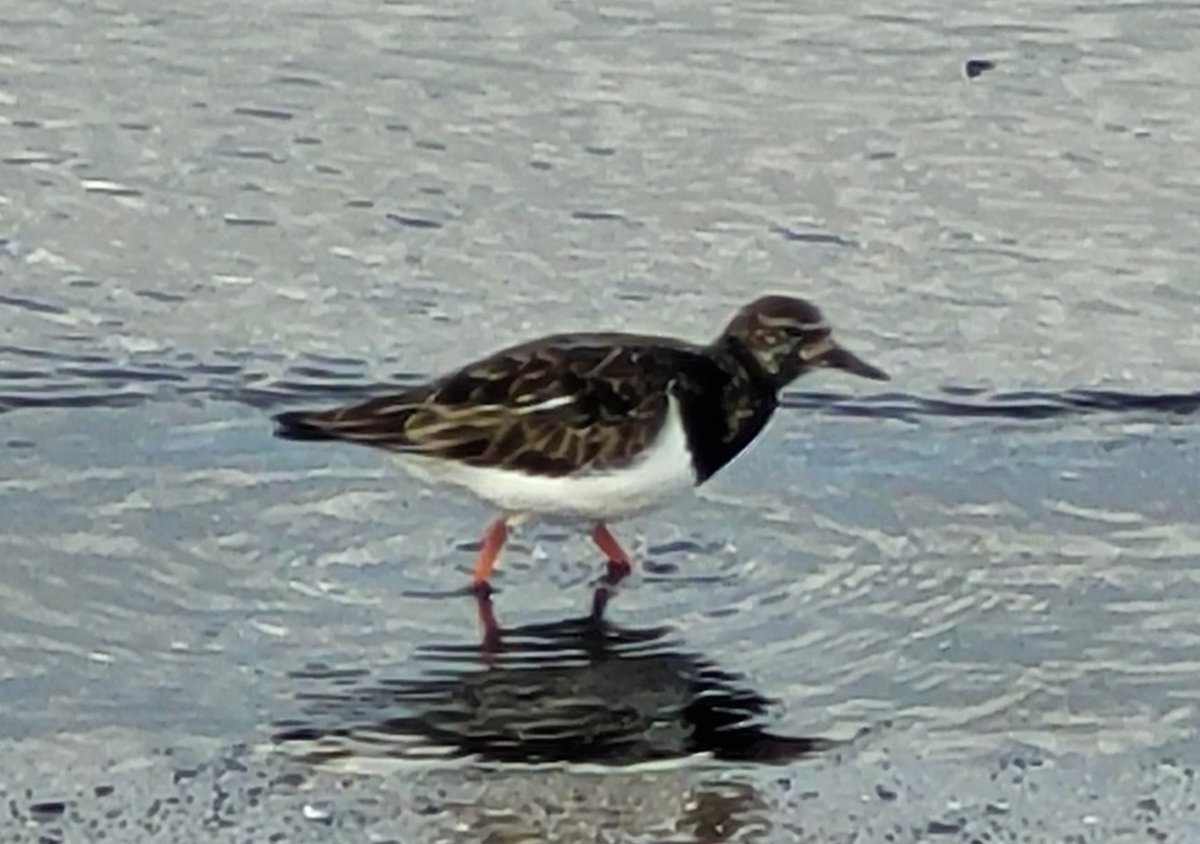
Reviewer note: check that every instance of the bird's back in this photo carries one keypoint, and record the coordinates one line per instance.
(552, 406)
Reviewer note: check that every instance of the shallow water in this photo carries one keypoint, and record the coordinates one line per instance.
(209, 214)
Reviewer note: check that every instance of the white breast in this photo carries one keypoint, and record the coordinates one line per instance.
(663, 471)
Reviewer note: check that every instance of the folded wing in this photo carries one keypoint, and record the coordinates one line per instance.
(570, 403)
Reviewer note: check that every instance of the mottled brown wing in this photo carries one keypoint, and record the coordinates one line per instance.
(548, 408)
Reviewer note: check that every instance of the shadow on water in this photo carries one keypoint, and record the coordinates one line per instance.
(31, 378)
(576, 690)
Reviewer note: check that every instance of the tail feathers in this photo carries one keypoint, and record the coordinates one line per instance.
(302, 425)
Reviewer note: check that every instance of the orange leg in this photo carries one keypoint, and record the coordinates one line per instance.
(493, 541)
(619, 566)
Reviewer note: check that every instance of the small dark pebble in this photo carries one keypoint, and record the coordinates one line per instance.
(976, 67)
(291, 779)
(944, 827)
(884, 792)
(47, 810)
(1150, 805)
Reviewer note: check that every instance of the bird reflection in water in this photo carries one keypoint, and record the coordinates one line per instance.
(575, 690)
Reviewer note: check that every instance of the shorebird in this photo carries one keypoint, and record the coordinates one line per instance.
(591, 428)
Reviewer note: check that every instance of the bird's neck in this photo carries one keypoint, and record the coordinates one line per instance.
(726, 412)
(734, 351)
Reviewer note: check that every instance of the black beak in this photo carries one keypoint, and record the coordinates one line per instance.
(839, 358)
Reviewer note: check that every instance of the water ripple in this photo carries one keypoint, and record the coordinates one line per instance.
(42, 378)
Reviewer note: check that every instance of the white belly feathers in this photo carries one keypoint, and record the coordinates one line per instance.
(660, 473)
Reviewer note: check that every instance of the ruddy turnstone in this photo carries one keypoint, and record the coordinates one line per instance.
(591, 427)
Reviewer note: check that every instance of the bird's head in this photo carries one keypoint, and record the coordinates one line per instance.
(787, 337)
